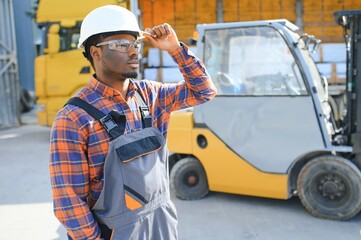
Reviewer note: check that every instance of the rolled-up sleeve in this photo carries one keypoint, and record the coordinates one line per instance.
(196, 88)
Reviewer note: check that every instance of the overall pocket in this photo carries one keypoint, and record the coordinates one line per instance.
(143, 170)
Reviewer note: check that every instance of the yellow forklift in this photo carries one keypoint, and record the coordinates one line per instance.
(270, 131)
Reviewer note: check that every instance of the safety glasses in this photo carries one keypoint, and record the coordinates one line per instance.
(121, 45)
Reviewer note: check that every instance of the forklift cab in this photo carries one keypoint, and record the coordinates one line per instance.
(269, 92)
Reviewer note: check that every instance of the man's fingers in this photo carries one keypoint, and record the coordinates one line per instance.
(167, 29)
(163, 37)
(160, 31)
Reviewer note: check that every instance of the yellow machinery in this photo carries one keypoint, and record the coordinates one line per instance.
(226, 171)
(269, 132)
(61, 70)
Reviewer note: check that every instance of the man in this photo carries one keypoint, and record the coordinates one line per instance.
(108, 157)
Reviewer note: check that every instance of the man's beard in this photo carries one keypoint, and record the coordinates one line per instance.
(130, 74)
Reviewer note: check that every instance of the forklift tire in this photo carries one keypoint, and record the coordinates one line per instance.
(330, 187)
(188, 179)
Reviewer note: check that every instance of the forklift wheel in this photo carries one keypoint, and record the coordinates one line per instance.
(330, 187)
(188, 179)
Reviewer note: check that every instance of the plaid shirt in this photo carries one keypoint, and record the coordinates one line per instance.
(79, 143)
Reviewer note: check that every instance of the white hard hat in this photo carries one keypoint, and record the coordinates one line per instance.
(109, 18)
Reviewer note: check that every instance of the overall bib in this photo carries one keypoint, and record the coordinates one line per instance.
(135, 200)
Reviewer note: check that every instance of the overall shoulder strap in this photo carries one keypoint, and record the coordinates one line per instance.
(105, 119)
(144, 111)
(90, 109)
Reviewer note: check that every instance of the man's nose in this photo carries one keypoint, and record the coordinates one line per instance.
(132, 51)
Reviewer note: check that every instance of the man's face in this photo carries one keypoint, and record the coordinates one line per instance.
(116, 63)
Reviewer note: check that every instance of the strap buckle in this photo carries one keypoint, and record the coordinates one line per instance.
(108, 123)
(144, 110)
(146, 117)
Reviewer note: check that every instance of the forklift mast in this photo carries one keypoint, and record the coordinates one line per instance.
(351, 23)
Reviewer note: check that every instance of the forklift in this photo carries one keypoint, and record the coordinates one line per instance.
(270, 131)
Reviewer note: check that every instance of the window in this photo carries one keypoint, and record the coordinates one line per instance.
(69, 38)
(252, 62)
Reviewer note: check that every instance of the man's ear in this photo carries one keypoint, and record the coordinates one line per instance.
(95, 52)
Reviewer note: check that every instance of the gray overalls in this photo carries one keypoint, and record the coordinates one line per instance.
(135, 201)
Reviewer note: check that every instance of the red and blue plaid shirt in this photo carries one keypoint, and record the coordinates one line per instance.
(79, 143)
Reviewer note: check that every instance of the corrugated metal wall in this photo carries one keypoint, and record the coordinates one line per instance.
(9, 81)
(24, 29)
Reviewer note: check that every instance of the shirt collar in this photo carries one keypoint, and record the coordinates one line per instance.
(110, 92)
